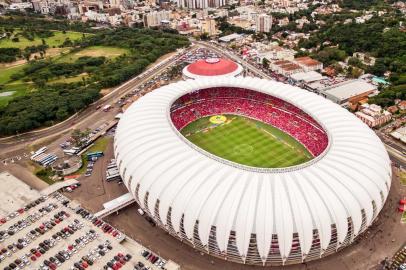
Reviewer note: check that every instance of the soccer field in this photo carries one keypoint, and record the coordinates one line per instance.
(247, 141)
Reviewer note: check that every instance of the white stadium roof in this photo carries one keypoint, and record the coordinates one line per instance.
(158, 164)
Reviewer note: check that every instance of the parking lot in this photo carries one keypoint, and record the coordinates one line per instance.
(51, 232)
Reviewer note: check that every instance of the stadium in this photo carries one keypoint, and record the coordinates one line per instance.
(252, 171)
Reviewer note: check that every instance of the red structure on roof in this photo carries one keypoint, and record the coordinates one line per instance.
(212, 67)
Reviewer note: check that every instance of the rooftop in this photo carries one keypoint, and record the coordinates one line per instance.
(307, 76)
(212, 67)
(15, 194)
(350, 89)
(307, 61)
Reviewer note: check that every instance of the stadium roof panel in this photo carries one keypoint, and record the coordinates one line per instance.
(351, 180)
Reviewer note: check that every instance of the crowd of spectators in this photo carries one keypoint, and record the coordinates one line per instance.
(252, 104)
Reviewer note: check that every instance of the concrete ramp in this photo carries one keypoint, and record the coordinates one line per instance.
(115, 205)
(58, 185)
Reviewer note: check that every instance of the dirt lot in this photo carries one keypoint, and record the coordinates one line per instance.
(95, 190)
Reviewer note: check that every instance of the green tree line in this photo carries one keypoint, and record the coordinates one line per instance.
(55, 102)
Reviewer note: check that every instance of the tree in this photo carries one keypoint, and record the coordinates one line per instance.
(204, 36)
(353, 72)
(353, 61)
(27, 56)
(379, 68)
(80, 137)
(331, 55)
(265, 63)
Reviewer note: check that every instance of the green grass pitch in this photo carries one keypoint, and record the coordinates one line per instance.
(247, 141)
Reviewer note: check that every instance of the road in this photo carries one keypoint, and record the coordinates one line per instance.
(395, 150)
(248, 66)
(88, 115)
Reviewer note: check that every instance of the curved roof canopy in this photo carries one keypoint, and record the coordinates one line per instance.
(353, 174)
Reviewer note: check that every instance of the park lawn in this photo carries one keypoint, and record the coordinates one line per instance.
(17, 88)
(53, 41)
(402, 177)
(6, 72)
(93, 51)
(99, 145)
(247, 141)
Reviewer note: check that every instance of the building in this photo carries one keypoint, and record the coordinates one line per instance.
(306, 77)
(155, 18)
(364, 58)
(308, 64)
(201, 4)
(263, 23)
(402, 105)
(251, 215)
(353, 89)
(400, 134)
(18, 6)
(285, 67)
(97, 17)
(341, 90)
(272, 52)
(231, 37)
(219, 67)
(373, 115)
(209, 27)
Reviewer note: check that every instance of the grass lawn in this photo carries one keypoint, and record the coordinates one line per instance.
(10, 91)
(402, 177)
(247, 141)
(403, 218)
(99, 145)
(44, 174)
(55, 40)
(6, 72)
(94, 51)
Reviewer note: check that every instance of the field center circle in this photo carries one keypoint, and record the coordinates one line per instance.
(218, 119)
